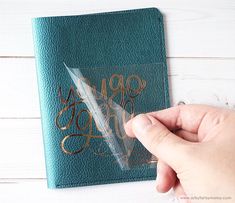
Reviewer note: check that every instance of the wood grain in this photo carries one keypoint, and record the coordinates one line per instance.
(21, 149)
(193, 28)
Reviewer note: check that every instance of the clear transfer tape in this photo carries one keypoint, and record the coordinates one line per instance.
(110, 118)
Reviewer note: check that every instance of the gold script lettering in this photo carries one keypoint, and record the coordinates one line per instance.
(121, 90)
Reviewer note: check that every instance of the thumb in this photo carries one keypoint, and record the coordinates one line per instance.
(161, 142)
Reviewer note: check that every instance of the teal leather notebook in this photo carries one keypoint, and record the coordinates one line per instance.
(123, 54)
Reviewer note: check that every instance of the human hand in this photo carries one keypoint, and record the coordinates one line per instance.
(195, 145)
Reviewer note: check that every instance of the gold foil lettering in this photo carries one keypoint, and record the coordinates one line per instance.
(122, 92)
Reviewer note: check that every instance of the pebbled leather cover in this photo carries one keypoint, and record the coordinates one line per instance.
(107, 40)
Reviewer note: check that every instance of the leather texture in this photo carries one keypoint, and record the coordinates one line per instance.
(99, 44)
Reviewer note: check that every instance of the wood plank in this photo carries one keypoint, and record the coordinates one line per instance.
(21, 149)
(202, 81)
(36, 191)
(193, 28)
(191, 80)
(18, 87)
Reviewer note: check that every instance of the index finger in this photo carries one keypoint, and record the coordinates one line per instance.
(186, 117)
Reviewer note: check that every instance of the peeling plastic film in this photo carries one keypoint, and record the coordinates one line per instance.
(111, 108)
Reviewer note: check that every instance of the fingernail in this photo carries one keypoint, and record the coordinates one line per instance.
(140, 123)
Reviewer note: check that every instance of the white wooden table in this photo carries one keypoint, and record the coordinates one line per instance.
(200, 38)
